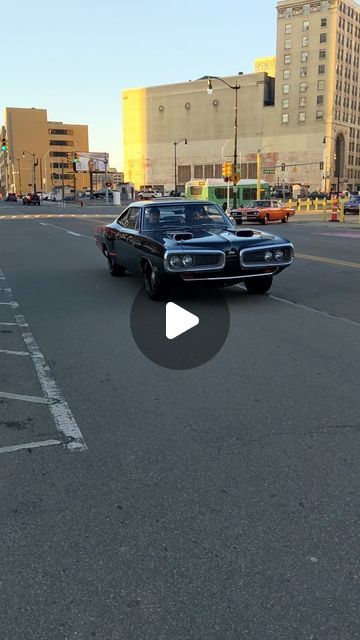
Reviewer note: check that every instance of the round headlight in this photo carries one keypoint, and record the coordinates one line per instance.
(175, 262)
(279, 254)
(188, 261)
(269, 256)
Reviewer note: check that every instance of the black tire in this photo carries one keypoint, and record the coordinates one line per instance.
(155, 286)
(265, 219)
(258, 285)
(285, 218)
(115, 269)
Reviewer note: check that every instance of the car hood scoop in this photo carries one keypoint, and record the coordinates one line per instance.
(244, 233)
(182, 235)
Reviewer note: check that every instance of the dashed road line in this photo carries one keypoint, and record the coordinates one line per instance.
(14, 353)
(24, 398)
(62, 415)
(29, 445)
(313, 310)
(72, 233)
(341, 263)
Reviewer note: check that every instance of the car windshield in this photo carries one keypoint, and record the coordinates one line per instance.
(355, 200)
(183, 215)
(259, 203)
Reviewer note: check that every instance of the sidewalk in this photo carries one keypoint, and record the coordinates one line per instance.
(351, 221)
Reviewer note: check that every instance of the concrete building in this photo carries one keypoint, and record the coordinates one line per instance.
(38, 151)
(306, 118)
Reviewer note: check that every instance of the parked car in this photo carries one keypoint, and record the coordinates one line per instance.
(146, 195)
(188, 242)
(11, 197)
(352, 205)
(320, 195)
(263, 211)
(31, 198)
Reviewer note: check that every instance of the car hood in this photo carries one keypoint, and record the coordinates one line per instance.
(212, 239)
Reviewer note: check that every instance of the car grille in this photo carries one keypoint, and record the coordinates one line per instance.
(207, 260)
(257, 257)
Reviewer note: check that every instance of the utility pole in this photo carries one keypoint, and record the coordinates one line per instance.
(62, 182)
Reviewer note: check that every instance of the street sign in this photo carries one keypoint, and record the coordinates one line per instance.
(269, 170)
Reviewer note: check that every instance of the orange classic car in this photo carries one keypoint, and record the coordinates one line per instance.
(263, 211)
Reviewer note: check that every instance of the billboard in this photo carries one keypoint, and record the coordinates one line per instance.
(95, 162)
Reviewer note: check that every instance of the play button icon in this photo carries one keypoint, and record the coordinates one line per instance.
(181, 335)
(178, 320)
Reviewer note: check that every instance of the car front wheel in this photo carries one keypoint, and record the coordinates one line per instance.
(258, 285)
(155, 286)
(265, 219)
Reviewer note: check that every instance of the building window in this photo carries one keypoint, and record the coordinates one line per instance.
(288, 13)
(320, 100)
(184, 173)
(303, 72)
(288, 28)
(208, 171)
(198, 171)
(287, 44)
(306, 9)
(61, 143)
(287, 58)
(321, 85)
(285, 118)
(286, 88)
(323, 22)
(285, 103)
(306, 25)
(321, 68)
(322, 54)
(302, 101)
(303, 87)
(61, 132)
(218, 171)
(322, 37)
(302, 116)
(286, 74)
(305, 41)
(304, 56)
(319, 115)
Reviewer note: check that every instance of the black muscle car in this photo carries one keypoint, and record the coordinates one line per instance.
(190, 241)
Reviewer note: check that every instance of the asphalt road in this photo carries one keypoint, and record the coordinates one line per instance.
(219, 503)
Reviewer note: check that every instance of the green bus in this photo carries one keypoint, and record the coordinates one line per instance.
(215, 190)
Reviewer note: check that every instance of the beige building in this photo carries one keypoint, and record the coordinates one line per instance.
(40, 151)
(306, 119)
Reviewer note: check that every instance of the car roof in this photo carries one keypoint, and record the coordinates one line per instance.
(171, 201)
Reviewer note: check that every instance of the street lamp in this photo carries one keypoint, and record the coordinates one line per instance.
(258, 174)
(337, 167)
(184, 140)
(34, 164)
(236, 88)
(19, 172)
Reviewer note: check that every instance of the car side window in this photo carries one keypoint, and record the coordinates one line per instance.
(129, 218)
(130, 221)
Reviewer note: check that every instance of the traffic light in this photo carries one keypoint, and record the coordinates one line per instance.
(227, 169)
(75, 162)
(4, 145)
(283, 166)
(321, 166)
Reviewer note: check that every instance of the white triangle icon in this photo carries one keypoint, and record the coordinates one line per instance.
(178, 320)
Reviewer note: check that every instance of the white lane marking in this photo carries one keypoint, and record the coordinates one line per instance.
(7, 324)
(321, 313)
(64, 420)
(61, 412)
(14, 305)
(29, 445)
(66, 230)
(19, 396)
(14, 353)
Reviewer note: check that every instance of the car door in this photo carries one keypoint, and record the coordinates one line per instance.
(127, 240)
(276, 210)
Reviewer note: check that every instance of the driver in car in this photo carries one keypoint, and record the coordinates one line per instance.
(154, 218)
(196, 215)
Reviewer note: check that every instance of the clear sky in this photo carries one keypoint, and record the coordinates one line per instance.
(74, 57)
